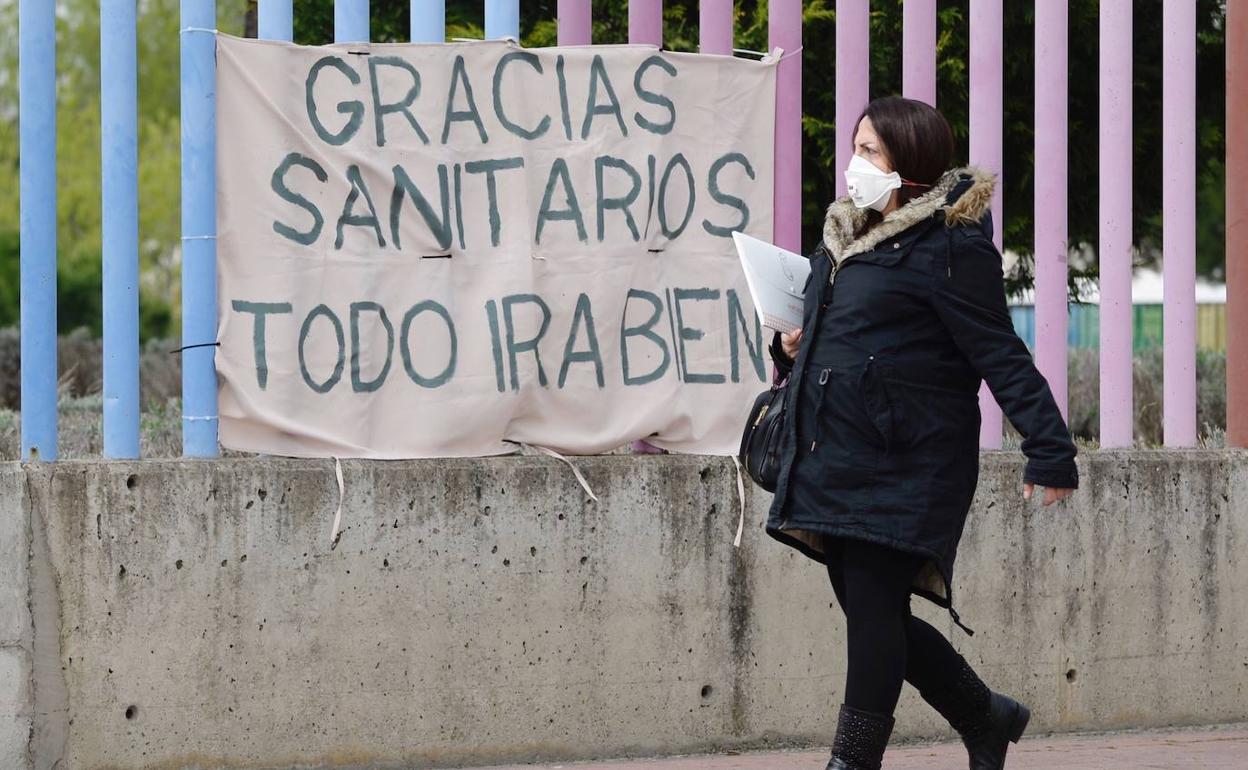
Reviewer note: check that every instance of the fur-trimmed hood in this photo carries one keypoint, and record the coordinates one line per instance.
(963, 194)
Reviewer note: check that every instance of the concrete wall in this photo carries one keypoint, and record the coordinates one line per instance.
(192, 614)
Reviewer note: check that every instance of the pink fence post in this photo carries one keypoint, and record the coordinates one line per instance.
(645, 21)
(1236, 225)
(1178, 210)
(1117, 412)
(985, 148)
(918, 50)
(715, 27)
(1050, 204)
(574, 17)
(645, 25)
(785, 25)
(853, 77)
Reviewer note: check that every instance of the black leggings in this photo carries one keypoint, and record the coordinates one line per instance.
(886, 643)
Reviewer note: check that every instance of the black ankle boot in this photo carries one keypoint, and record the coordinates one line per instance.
(861, 738)
(987, 721)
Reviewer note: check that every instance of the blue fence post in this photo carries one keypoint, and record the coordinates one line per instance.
(351, 21)
(120, 225)
(275, 20)
(37, 190)
(199, 228)
(428, 21)
(502, 19)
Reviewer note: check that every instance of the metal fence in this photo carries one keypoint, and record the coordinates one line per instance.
(1116, 328)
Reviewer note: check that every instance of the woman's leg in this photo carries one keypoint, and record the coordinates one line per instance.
(931, 661)
(876, 600)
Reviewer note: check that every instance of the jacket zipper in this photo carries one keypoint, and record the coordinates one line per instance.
(823, 381)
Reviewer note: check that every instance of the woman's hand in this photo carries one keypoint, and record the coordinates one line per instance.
(1051, 494)
(789, 343)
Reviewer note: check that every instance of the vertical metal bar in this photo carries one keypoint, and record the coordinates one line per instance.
(986, 111)
(715, 27)
(918, 50)
(1178, 210)
(645, 25)
(645, 21)
(1052, 320)
(199, 228)
(428, 21)
(502, 19)
(853, 77)
(276, 20)
(120, 225)
(1237, 224)
(574, 17)
(37, 192)
(785, 24)
(351, 21)
(1117, 412)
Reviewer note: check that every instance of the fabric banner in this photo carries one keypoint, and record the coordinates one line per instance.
(445, 250)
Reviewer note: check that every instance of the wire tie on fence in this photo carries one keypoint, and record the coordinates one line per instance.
(199, 345)
(736, 542)
(199, 237)
(189, 418)
(334, 534)
(197, 29)
(575, 471)
(779, 54)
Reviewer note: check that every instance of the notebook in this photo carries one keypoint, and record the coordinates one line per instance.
(776, 278)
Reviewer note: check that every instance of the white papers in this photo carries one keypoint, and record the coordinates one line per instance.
(776, 278)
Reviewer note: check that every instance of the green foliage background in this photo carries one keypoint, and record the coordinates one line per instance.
(78, 168)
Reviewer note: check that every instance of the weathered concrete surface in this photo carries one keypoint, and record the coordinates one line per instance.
(484, 611)
(16, 698)
(1219, 748)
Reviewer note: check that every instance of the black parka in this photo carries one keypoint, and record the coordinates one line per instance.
(901, 324)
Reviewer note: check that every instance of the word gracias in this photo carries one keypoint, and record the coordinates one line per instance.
(359, 209)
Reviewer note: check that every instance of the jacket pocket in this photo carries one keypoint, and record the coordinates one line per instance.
(932, 418)
(850, 424)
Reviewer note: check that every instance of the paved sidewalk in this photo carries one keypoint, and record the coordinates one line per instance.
(1219, 748)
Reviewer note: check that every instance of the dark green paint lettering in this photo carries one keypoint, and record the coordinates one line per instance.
(491, 312)
(563, 97)
(598, 74)
(528, 58)
(525, 346)
(726, 199)
(278, 183)
(737, 320)
(349, 217)
(353, 108)
(328, 384)
(559, 171)
(444, 376)
(459, 73)
(488, 167)
(691, 334)
(357, 384)
(262, 310)
(380, 110)
(677, 160)
(583, 314)
(644, 330)
(651, 97)
(620, 202)
(441, 228)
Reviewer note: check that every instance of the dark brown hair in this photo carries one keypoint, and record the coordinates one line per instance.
(917, 141)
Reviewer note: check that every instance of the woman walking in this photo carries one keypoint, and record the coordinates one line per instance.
(905, 313)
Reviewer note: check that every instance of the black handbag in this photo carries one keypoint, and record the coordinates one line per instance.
(764, 430)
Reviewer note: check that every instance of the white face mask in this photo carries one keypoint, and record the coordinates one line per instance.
(868, 185)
